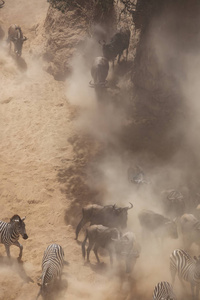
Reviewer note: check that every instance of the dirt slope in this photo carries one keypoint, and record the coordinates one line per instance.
(35, 125)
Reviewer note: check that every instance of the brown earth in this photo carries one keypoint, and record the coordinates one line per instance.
(45, 157)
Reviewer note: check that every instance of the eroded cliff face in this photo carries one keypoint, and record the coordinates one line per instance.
(64, 32)
(67, 30)
(169, 41)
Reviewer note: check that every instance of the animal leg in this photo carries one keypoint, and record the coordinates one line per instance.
(79, 226)
(119, 56)
(126, 54)
(183, 286)
(173, 272)
(197, 292)
(111, 257)
(21, 249)
(89, 248)
(8, 250)
(38, 294)
(96, 254)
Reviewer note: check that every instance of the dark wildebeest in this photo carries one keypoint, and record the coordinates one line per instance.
(109, 239)
(128, 248)
(173, 203)
(109, 215)
(118, 43)
(16, 36)
(100, 236)
(159, 225)
(189, 230)
(99, 72)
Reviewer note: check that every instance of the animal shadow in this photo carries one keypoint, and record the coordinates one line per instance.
(16, 266)
(99, 268)
(58, 288)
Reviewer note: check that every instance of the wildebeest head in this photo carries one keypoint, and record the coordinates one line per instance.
(121, 214)
(20, 225)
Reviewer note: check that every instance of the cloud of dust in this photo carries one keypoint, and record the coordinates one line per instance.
(104, 121)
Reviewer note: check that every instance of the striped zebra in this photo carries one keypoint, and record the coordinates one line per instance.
(163, 291)
(187, 268)
(52, 265)
(10, 232)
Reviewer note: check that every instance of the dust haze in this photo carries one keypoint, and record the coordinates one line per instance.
(39, 116)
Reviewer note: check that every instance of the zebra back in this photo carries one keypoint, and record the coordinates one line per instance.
(187, 267)
(163, 291)
(52, 264)
(9, 232)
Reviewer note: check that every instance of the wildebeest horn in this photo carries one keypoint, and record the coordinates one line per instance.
(130, 206)
(23, 218)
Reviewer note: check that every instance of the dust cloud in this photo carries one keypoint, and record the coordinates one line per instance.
(105, 120)
(39, 118)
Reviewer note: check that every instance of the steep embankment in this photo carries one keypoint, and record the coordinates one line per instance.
(35, 126)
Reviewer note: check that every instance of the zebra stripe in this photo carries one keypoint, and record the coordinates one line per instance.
(186, 267)
(10, 232)
(163, 291)
(52, 265)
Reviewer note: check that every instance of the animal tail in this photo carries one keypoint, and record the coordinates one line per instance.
(83, 244)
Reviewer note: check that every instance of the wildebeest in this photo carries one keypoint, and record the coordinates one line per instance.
(159, 225)
(123, 247)
(118, 43)
(189, 230)
(127, 247)
(173, 203)
(109, 215)
(16, 36)
(99, 72)
(100, 236)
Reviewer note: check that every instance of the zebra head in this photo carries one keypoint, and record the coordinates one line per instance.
(19, 224)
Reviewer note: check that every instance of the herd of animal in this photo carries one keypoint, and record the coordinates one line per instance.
(115, 47)
(108, 230)
(108, 223)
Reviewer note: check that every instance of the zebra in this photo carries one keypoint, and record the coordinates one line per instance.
(52, 265)
(163, 291)
(187, 267)
(10, 232)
